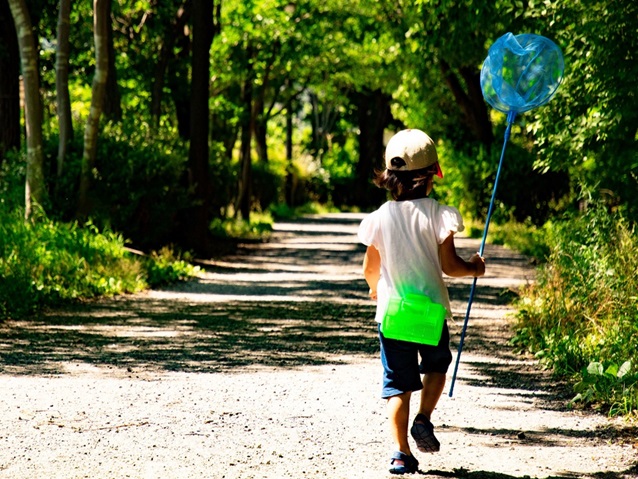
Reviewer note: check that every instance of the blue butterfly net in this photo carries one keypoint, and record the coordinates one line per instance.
(521, 72)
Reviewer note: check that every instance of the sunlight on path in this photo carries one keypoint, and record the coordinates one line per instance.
(266, 367)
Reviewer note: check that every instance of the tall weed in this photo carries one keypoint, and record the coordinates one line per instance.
(583, 308)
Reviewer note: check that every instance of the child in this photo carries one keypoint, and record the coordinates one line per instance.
(410, 243)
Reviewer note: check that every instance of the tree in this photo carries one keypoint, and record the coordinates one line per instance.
(112, 97)
(244, 198)
(35, 190)
(65, 122)
(98, 92)
(9, 83)
(198, 218)
(590, 128)
(374, 114)
(173, 31)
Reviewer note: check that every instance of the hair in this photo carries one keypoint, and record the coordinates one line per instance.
(405, 185)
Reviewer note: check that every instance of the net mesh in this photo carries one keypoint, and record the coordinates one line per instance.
(521, 72)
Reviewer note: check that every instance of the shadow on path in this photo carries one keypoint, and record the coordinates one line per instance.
(159, 335)
(298, 300)
(466, 474)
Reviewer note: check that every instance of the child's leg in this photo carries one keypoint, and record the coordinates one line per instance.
(433, 385)
(422, 430)
(399, 416)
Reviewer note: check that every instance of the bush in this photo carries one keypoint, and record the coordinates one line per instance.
(47, 264)
(525, 195)
(165, 266)
(583, 308)
(138, 190)
(258, 228)
(524, 237)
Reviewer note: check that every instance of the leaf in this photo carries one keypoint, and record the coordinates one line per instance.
(595, 369)
(612, 370)
(624, 369)
(578, 397)
(579, 387)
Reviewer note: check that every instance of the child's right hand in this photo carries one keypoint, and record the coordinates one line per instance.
(479, 263)
(373, 294)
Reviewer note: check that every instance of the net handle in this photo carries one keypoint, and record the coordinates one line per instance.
(511, 116)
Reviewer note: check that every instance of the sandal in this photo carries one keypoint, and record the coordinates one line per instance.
(422, 432)
(410, 464)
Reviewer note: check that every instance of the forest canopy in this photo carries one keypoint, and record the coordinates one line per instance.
(189, 111)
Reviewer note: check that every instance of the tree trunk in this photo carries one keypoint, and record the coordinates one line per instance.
(9, 83)
(112, 97)
(35, 188)
(247, 126)
(471, 102)
(98, 92)
(290, 178)
(198, 219)
(323, 118)
(260, 129)
(179, 85)
(374, 116)
(260, 123)
(62, 82)
(172, 32)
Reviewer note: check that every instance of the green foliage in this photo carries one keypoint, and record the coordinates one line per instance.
(590, 127)
(46, 263)
(165, 266)
(615, 386)
(137, 189)
(524, 237)
(258, 228)
(468, 181)
(268, 184)
(12, 179)
(284, 211)
(583, 307)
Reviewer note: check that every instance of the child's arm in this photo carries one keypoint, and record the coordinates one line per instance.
(453, 265)
(372, 269)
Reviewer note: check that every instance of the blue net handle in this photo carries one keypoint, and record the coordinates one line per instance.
(511, 116)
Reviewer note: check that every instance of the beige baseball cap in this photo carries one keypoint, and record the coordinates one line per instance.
(415, 148)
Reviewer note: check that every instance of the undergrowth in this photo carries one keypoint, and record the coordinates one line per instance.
(45, 263)
(580, 317)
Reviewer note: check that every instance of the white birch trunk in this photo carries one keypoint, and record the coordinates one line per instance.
(34, 188)
(97, 102)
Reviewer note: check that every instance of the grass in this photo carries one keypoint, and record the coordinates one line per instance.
(45, 263)
(580, 318)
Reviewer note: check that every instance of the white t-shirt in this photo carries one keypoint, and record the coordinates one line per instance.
(407, 235)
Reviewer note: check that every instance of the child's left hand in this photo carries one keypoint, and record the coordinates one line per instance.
(373, 294)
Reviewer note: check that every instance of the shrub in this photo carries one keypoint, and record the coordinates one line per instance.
(165, 266)
(138, 189)
(258, 228)
(48, 263)
(583, 308)
(45, 263)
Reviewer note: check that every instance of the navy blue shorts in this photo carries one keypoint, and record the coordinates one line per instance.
(401, 368)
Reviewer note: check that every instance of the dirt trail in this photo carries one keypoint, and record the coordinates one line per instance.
(266, 367)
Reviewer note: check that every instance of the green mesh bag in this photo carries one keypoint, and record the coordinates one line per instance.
(414, 318)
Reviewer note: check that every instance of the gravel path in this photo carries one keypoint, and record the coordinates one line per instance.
(266, 367)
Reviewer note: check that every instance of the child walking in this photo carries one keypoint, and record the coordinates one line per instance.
(410, 243)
